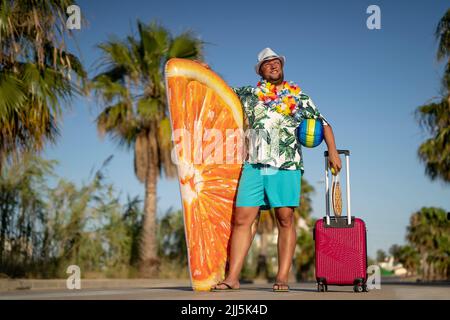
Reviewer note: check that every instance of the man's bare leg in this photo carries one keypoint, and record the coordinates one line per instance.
(287, 239)
(241, 238)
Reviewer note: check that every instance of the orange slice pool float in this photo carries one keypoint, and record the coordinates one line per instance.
(207, 122)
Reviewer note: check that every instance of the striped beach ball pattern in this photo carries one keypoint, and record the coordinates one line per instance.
(310, 133)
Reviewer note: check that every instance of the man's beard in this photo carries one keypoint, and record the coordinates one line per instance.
(277, 80)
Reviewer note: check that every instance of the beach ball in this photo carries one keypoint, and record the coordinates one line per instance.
(310, 133)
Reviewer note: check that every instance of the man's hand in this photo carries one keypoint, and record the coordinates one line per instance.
(334, 161)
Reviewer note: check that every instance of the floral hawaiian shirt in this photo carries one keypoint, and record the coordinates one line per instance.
(272, 137)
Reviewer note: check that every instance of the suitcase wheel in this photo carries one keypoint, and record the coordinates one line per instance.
(360, 287)
(322, 287)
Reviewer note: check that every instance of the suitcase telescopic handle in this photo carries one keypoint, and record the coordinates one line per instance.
(327, 186)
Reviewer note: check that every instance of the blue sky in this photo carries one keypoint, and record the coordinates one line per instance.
(366, 82)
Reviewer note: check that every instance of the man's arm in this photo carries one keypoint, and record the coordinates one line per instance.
(310, 111)
(334, 161)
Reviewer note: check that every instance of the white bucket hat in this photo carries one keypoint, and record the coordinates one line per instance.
(268, 54)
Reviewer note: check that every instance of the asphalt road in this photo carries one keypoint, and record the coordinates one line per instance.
(181, 290)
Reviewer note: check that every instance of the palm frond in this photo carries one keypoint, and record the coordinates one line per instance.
(442, 34)
(108, 89)
(117, 122)
(435, 119)
(36, 73)
(185, 46)
(148, 109)
(12, 95)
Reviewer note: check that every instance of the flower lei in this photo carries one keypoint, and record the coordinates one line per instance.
(284, 101)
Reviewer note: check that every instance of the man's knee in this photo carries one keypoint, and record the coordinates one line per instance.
(242, 221)
(243, 218)
(285, 218)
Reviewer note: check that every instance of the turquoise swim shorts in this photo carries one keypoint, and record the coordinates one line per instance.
(268, 187)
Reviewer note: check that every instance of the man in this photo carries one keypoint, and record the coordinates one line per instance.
(272, 179)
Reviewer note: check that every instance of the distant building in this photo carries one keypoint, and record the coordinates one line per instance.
(397, 269)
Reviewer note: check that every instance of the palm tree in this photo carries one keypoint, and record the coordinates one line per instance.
(35, 73)
(381, 255)
(435, 116)
(407, 255)
(132, 88)
(429, 233)
(409, 258)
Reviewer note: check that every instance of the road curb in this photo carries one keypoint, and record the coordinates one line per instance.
(33, 284)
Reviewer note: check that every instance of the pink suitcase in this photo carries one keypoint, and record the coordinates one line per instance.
(340, 243)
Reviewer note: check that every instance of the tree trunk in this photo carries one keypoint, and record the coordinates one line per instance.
(149, 261)
(3, 225)
(425, 269)
(432, 271)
